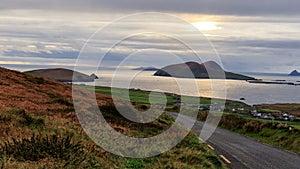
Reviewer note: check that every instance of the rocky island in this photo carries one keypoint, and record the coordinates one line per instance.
(294, 73)
(63, 75)
(206, 70)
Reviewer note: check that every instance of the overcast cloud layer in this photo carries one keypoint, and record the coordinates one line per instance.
(215, 7)
(250, 36)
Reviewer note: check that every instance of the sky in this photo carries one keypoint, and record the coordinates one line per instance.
(249, 36)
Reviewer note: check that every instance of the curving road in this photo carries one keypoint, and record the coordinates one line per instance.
(242, 152)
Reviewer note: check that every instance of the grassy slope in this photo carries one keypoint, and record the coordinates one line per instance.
(263, 130)
(188, 154)
(37, 115)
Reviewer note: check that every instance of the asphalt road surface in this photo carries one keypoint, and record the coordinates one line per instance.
(242, 152)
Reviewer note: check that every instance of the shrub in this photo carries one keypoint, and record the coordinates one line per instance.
(39, 80)
(30, 121)
(135, 164)
(144, 107)
(232, 121)
(202, 115)
(110, 109)
(39, 147)
(62, 102)
(176, 108)
(253, 126)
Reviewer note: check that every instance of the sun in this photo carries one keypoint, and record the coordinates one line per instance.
(206, 26)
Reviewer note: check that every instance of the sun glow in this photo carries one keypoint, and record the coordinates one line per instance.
(206, 26)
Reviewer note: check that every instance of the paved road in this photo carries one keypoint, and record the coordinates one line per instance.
(243, 152)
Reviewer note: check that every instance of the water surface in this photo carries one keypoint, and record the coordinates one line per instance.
(235, 89)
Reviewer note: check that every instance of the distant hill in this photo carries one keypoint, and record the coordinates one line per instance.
(294, 73)
(146, 68)
(63, 75)
(200, 71)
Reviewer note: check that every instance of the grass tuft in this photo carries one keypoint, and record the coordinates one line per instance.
(40, 147)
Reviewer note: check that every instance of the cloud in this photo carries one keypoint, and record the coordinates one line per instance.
(248, 55)
(260, 43)
(255, 44)
(51, 54)
(216, 7)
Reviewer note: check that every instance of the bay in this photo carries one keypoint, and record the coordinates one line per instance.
(234, 89)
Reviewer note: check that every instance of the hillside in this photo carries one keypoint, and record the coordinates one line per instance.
(199, 71)
(31, 93)
(39, 129)
(63, 75)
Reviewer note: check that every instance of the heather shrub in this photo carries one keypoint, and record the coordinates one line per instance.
(39, 80)
(253, 126)
(232, 121)
(62, 102)
(31, 121)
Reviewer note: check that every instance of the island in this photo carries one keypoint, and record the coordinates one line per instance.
(294, 73)
(63, 75)
(206, 70)
(146, 68)
(260, 81)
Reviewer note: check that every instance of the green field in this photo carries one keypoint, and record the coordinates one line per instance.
(142, 97)
(137, 96)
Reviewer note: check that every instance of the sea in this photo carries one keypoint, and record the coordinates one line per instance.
(250, 93)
